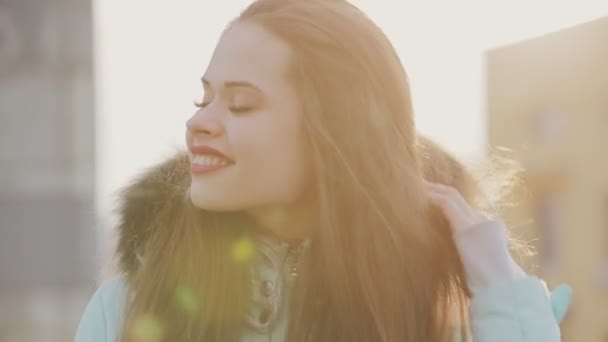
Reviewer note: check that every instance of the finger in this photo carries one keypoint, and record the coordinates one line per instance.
(461, 215)
(450, 210)
(459, 212)
(450, 191)
(444, 188)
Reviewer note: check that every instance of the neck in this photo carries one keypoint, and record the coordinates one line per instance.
(291, 223)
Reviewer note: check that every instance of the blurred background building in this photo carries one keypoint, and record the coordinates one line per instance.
(79, 79)
(47, 218)
(548, 102)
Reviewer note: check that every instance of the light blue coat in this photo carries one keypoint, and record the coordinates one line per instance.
(514, 311)
(517, 309)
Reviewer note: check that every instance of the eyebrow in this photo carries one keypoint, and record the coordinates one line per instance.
(233, 84)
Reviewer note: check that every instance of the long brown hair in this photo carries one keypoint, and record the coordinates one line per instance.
(382, 265)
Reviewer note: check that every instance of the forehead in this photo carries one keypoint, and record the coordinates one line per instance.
(247, 52)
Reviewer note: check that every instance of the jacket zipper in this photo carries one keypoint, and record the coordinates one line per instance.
(292, 260)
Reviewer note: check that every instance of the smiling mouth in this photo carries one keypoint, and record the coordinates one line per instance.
(203, 163)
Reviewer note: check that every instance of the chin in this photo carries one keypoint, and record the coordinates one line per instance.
(204, 202)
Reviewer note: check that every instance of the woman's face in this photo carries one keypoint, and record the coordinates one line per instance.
(250, 113)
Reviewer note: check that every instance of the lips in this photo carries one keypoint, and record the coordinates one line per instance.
(205, 159)
(206, 150)
(202, 169)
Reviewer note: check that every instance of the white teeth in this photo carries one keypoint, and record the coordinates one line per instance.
(209, 160)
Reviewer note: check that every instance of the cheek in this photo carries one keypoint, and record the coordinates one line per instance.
(277, 163)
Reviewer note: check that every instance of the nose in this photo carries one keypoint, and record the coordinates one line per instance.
(203, 122)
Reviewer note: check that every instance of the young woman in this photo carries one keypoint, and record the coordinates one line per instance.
(301, 213)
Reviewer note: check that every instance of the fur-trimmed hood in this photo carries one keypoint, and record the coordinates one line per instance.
(165, 186)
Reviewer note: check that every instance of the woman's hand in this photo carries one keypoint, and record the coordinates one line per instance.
(481, 242)
(455, 208)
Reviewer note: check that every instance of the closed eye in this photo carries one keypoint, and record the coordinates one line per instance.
(240, 109)
(201, 104)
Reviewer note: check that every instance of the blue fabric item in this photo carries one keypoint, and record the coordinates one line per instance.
(561, 297)
(102, 317)
(519, 310)
(515, 310)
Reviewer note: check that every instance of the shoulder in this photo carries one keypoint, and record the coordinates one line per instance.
(102, 316)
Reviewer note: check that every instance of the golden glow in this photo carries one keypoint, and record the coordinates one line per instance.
(147, 329)
(242, 250)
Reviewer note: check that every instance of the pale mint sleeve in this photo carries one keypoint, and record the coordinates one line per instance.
(513, 309)
(507, 304)
(102, 317)
(518, 310)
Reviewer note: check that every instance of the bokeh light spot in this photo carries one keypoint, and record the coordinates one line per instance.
(147, 329)
(186, 299)
(242, 250)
